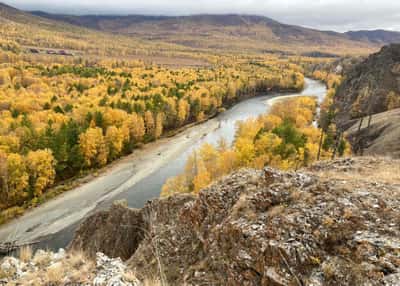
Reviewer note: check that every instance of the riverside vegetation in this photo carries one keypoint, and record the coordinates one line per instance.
(287, 138)
(291, 136)
(60, 119)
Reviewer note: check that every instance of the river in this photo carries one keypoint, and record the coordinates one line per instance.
(138, 192)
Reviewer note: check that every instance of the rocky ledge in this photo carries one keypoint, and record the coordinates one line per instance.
(336, 223)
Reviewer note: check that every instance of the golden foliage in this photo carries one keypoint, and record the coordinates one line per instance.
(285, 138)
(40, 165)
(93, 147)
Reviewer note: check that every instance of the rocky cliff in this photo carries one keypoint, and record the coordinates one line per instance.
(372, 87)
(368, 86)
(336, 223)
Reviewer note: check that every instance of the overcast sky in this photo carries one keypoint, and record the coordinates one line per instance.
(340, 15)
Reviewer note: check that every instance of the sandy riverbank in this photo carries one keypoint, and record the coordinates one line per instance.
(272, 101)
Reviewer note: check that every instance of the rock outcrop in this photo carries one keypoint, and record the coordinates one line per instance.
(366, 87)
(372, 87)
(116, 232)
(336, 223)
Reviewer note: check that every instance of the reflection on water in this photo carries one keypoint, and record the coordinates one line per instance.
(150, 187)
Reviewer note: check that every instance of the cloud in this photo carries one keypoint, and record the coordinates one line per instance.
(322, 14)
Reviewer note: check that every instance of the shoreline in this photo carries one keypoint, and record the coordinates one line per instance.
(270, 102)
(75, 204)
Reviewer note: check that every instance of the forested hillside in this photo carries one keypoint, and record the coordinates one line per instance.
(286, 139)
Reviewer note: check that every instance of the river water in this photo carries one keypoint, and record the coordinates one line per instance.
(150, 187)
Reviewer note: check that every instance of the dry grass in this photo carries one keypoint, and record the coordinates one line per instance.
(241, 208)
(30, 279)
(55, 273)
(42, 258)
(74, 268)
(74, 265)
(328, 270)
(76, 259)
(80, 267)
(25, 253)
(369, 169)
(152, 282)
(388, 174)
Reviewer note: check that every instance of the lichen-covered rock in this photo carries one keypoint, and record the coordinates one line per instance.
(336, 223)
(116, 232)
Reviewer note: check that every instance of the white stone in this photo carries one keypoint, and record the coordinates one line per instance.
(110, 272)
(11, 264)
(59, 255)
(6, 266)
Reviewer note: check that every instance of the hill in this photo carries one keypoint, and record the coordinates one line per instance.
(381, 37)
(217, 33)
(381, 138)
(22, 32)
(331, 224)
(371, 86)
(227, 32)
(139, 34)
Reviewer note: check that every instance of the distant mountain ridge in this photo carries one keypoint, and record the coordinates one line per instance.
(223, 33)
(375, 36)
(94, 21)
(122, 24)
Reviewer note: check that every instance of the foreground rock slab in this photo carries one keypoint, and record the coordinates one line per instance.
(336, 223)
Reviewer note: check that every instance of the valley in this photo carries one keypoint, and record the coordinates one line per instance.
(136, 178)
(199, 147)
